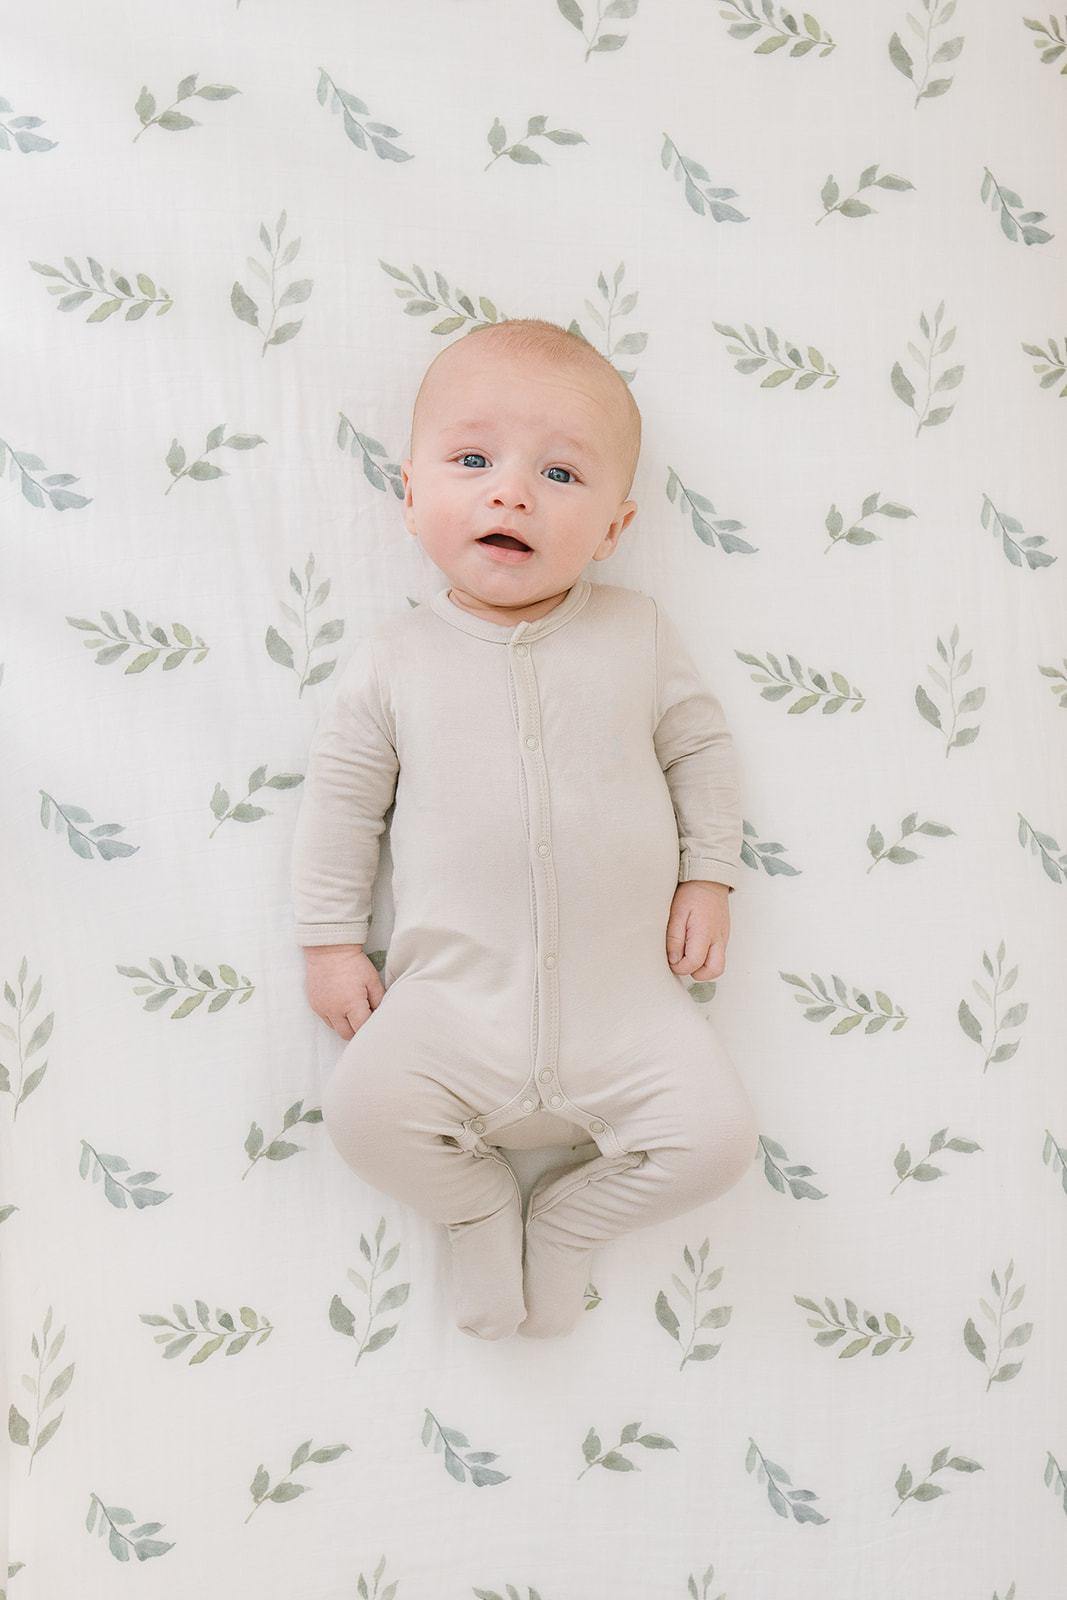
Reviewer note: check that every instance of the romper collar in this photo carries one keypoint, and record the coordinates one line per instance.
(507, 633)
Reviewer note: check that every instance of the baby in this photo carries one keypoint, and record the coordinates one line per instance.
(565, 835)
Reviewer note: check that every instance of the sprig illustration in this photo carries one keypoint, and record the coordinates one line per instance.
(180, 1333)
(450, 1441)
(834, 1328)
(246, 309)
(365, 1592)
(162, 988)
(973, 700)
(1053, 1155)
(384, 475)
(279, 1149)
(242, 811)
(857, 1010)
(23, 1004)
(713, 1317)
(343, 1320)
(281, 651)
(571, 11)
(1014, 1017)
(1050, 43)
(925, 1490)
(791, 1502)
(903, 387)
(851, 207)
(121, 1545)
(857, 533)
(520, 151)
(120, 1191)
(19, 1428)
(1056, 1479)
(924, 1171)
(782, 1177)
(781, 685)
(613, 1460)
(706, 523)
(705, 1582)
(1043, 844)
(168, 119)
(20, 465)
(81, 841)
(202, 470)
(1004, 202)
(627, 343)
(688, 172)
(379, 135)
(260, 1489)
(28, 143)
(1050, 364)
(897, 853)
(112, 642)
(784, 369)
(1020, 1334)
(1016, 550)
(936, 14)
(783, 31)
(117, 293)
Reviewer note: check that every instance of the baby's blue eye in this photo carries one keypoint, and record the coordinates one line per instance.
(481, 457)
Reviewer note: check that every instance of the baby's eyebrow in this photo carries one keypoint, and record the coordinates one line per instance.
(561, 438)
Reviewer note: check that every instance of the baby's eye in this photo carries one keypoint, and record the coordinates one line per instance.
(478, 454)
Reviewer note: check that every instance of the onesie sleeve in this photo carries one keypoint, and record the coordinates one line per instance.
(350, 783)
(696, 750)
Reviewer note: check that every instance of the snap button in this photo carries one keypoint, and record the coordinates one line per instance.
(557, 1099)
(527, 1105)
(542, 848)
(596, 1126)
(478, 1126)
(545, 1074)
(532, 742)
(550, 961)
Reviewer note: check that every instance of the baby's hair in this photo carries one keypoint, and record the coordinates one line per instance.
(535, 336)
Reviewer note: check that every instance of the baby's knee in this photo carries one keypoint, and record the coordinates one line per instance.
(721, 1159)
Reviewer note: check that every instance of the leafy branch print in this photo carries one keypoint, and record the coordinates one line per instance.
(20, 465)
(81, 842)
(365, 1592)
(895, 1332)
(937, 14)
(973, 700)
(858, 1009)
(1056, 1479)
(571, 11)
(852, 207)
(117, 1190)
(1050, 42)
(707, 525)
(780, 685)
(691, 174)
(613, 1460)
(857, 533)
(137, 1541)
(23, 1004)
(450, 1441)
(246, 309)
(224, 1333)
(705, 1582)
(1020, 1334)
(260, 1489)
(387, 474)
(897, 853)
(925, 1171)
(627, 343)
(172, 121)
(281, 651)
(162, 988)
(351, 108)
(342, 1319)
(1017, 551)
(1003, 201)
(520, 152)
(29, 143)
(925, 1490)
(795, 1502)
(19, 1428)
(713, 1317)
(112, 643)
(1043, 844)
(279, 1149)
(202, 470)
(903, 387)
(1014, 1017)
(242, 811)
(1050, 364)
(784, 31)
(137, 306)
(782, 1177)
(1053, 1154)
(784, 370)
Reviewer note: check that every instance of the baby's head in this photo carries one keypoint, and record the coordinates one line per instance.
(522, 425)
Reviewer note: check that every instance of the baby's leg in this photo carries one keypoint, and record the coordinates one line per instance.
(393, 1116)
(690, 1133)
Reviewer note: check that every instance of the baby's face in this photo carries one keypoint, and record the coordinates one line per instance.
(517, 444)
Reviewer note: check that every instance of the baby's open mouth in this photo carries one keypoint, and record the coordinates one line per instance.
(504, 539)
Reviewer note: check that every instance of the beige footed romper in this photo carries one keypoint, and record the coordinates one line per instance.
(552, 782)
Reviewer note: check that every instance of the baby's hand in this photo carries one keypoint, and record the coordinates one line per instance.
(698, 929)
(343, 986)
